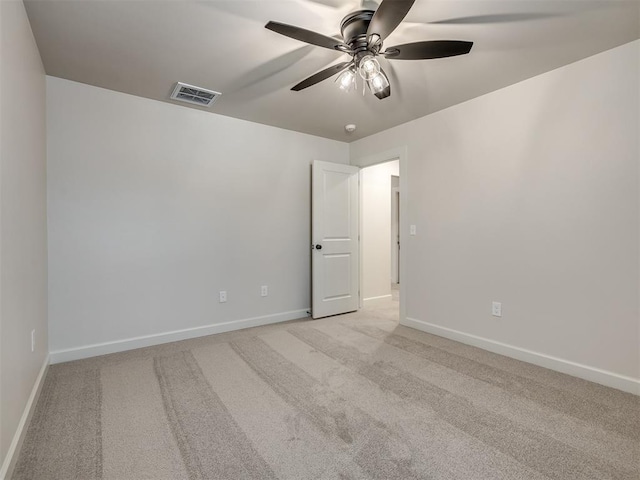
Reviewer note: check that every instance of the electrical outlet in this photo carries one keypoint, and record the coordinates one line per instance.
(264, 290)
(223, 296)
(33, 340)
(496, 309)
(412, 229)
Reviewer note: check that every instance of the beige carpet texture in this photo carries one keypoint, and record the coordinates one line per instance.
(348, 397)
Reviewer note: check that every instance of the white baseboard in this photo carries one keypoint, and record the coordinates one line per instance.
(16, 443)
(377, 298)
(603, 377)
(97, 349)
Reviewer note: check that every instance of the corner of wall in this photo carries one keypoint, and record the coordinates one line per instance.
(9, 463)
(23, 227)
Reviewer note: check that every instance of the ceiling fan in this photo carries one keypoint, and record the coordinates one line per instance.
(363, 33)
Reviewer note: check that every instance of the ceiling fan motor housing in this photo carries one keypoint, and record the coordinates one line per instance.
(354, 29)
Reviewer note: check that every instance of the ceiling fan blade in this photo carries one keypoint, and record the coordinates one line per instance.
(428, 49)
(306, 36)
(321, 75)
(388, 16)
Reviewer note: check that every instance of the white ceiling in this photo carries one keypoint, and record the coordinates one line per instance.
(143, 47)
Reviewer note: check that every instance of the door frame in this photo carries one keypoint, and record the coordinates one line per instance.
(401, 154)
(395, 229)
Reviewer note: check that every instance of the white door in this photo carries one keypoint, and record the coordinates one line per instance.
(334, 236)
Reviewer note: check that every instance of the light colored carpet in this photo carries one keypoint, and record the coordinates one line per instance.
(348, 397)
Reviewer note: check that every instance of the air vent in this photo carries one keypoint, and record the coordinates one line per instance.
(194, 95)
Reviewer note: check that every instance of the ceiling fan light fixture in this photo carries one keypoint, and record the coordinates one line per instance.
(368, 67)
(347, 80)
(379, 85)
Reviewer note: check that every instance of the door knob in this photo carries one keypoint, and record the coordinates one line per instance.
(318, 247)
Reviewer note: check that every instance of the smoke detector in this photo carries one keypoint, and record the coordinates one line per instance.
(350, 128)
(202, 97)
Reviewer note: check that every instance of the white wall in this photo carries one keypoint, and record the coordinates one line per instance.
(375, 183)
(529, 196)
(23, 229)
(155, 208)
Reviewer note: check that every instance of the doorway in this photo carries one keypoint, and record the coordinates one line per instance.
(380, 235)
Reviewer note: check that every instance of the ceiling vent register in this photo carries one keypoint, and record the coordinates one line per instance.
(194, 95)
